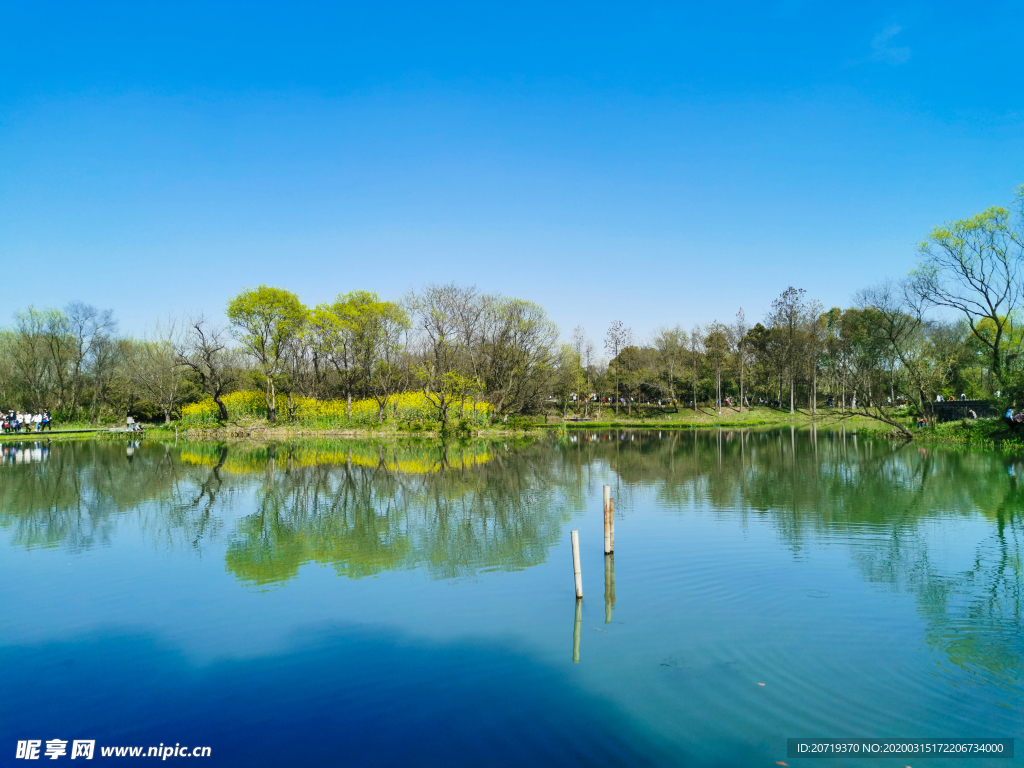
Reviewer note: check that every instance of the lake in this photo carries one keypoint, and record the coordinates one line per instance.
(412, 603)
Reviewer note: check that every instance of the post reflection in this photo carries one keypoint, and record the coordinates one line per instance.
(576, 631)
(609, 587)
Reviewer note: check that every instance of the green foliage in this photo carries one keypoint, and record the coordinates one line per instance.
(268, 319)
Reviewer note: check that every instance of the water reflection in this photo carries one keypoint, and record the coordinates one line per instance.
(457, 509)
(609, 587)
(24, 453)
(576, 626)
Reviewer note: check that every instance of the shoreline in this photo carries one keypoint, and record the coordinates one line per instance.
(265, 432)
(988, 434)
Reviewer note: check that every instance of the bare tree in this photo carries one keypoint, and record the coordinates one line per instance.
(156, 371)
(813, 339)
(205, 351)
(617, 339)
(739, 331)
(695, 347)
(718, 343)
(786, 319)
(91, 331)
(447, 324)
(584, 349)
(106, 357)
(670, 343)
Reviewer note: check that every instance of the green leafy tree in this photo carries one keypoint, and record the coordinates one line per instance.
(571, 379)
(267, 321)
(973, 266)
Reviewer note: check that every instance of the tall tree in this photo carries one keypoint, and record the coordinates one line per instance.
(91, 332)
(584, 349)
(267, 321)
(204, 350)
(739, 332)
(37, 350)
(671, 344)
(448, 321)
(516, 358)
(718, 344)
(695, 348)
(155, 370)
(813, 341)
(571, 377)
(617, 339)
(973, 266)
(786, 320)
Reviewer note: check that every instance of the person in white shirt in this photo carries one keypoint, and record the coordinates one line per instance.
(37, 420)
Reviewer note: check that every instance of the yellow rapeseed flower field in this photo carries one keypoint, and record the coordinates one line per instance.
(327, 414)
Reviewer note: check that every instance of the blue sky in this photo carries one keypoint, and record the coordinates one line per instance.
(649, 163)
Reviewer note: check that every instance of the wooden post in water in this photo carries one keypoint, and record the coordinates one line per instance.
(576, 632)
(610, 546)
(607, 519)
(576, 564)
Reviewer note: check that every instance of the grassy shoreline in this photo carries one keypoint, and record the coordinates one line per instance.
(982, 433)
(255, 428)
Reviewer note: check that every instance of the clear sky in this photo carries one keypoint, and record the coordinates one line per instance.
(649, 163)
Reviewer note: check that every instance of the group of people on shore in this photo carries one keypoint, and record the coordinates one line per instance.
(16, 421)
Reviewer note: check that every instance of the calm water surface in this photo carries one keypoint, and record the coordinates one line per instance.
(345, 603)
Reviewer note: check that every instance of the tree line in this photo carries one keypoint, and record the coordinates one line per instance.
(951, 326)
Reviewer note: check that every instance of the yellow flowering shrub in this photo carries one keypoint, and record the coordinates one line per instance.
(246, 404)
(327, 414)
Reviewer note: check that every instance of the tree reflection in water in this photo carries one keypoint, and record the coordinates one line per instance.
(455, 509)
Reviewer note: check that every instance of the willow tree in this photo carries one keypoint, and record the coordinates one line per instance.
(267, 321)
(517, 358)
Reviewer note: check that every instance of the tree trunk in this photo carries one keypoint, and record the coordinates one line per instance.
(221, 407)
(271, 400)
(695, 382)
(741, 385)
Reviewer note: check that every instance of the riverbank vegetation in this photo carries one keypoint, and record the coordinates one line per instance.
(452, 359)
